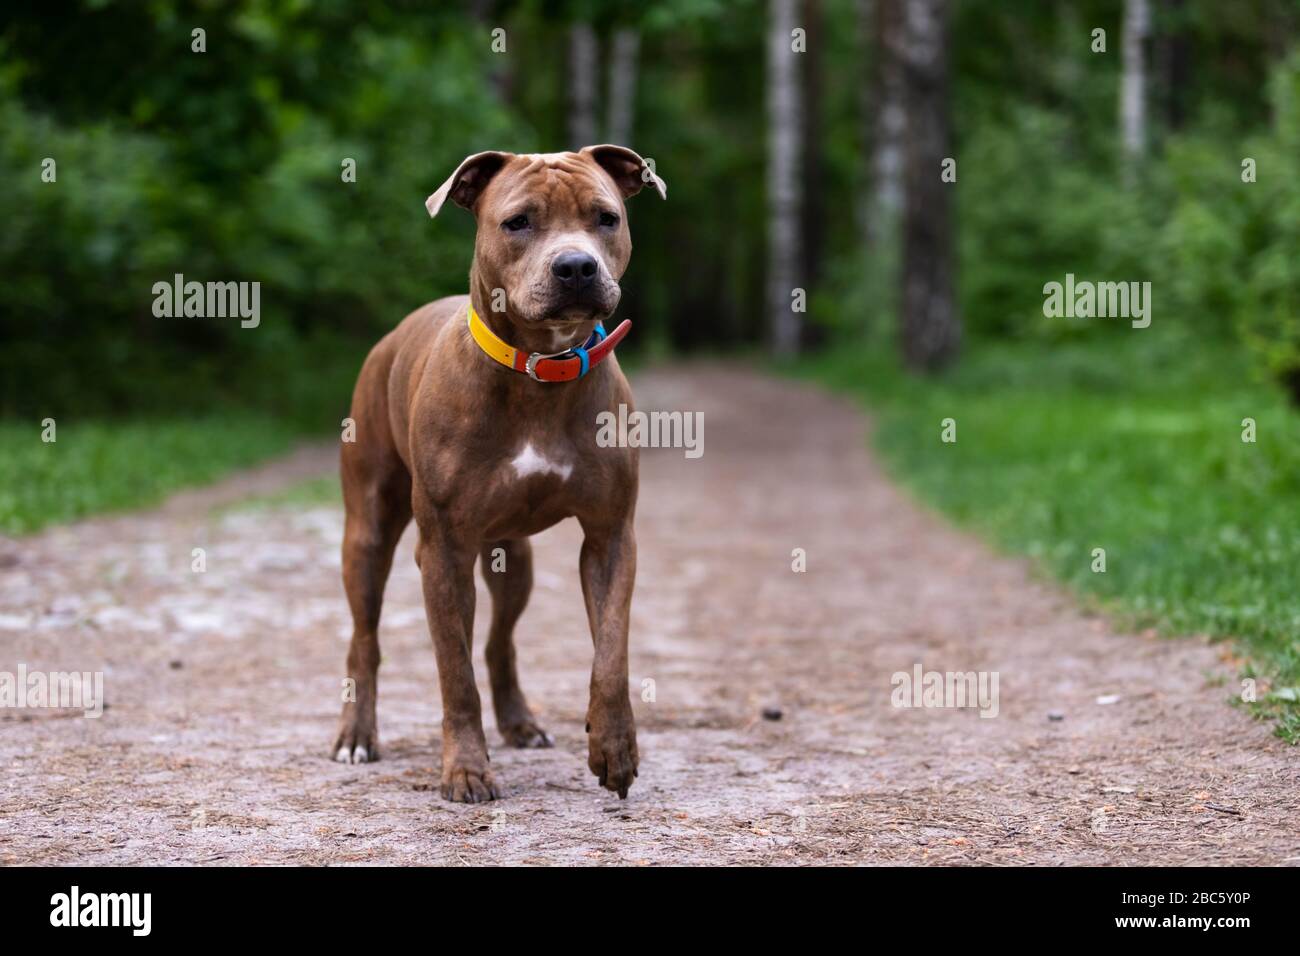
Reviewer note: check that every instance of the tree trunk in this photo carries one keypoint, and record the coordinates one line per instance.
(783, 200)
(622, 86)
(864, 12)
(890, 118)
(1132, 94)
(813, 219)
(499, 67)
(1175, 63)
(583, 54)
(931, 330)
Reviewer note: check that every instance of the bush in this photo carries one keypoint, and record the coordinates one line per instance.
(249, 190)
(1269, 316)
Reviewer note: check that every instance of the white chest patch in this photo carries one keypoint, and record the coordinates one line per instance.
(532, 462)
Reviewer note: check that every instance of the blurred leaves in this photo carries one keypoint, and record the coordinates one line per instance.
(225, 166)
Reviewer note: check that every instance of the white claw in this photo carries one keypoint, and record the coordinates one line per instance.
(343, 756)
(361, 755)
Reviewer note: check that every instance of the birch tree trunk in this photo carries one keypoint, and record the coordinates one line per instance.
(931, 328)
(1132, 93)
(583, 80)
(783, 199)
(624, 52)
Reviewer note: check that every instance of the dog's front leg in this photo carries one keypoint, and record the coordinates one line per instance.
(447, 571)
(608, 566)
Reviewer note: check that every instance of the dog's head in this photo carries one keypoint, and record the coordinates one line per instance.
(552, 229)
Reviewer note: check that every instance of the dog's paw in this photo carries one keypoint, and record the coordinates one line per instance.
(357, 740)
(612, 756)
(525, 734)
(469, 785)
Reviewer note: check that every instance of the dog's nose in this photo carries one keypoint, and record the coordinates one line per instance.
(574, 270)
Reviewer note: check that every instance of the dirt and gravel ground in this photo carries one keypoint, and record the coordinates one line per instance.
(222, 687)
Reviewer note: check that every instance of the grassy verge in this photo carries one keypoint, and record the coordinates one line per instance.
(100, 466)
(1131, 443)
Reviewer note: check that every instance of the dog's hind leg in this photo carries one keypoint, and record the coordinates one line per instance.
(508, 570)
(377, 500)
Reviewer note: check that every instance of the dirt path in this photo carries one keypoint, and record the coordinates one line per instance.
(223, 687)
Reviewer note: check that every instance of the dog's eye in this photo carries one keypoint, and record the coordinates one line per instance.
(608, 219)
(517, 223)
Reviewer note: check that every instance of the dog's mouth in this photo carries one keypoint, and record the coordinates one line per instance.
(569, 315)
(573, 312)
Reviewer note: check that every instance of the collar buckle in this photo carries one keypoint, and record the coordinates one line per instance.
(530, 366)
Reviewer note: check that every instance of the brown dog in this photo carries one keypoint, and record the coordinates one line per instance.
(487, 444)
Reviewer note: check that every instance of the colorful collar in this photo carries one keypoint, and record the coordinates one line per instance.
(557, 366)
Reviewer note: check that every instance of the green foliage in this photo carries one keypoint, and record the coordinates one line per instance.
(102, 466)
(226, 166)
(1270, 239)
(1129, 441)
(1041, 190)
(1028, 216)
(1216, 250)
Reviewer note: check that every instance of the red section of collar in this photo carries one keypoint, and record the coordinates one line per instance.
(567, 369)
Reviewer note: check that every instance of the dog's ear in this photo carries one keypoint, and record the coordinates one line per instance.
(465, 185)
(628, 170)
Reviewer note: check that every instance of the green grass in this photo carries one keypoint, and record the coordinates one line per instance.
(96, 466)
(1132, 443)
